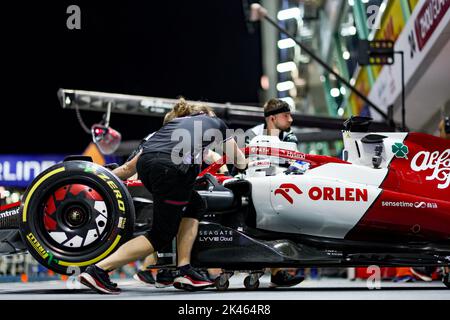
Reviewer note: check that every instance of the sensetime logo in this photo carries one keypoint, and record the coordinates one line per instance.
(407, 204)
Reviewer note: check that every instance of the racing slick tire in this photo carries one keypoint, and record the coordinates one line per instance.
(75, 214)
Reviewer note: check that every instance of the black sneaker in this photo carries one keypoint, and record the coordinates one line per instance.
(165, 277)
(190, 279)
(98, 279)
(144, 276)
(284, 279)
(207, 275)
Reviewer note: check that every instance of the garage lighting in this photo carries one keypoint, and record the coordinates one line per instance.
(351, 3)
(292, 13)
(286, 66)
(340, 112)
(343, 91)
(286, 43)
(335, 92)
(285, 86)
(265, 83)
(348, 31)
(346, 55)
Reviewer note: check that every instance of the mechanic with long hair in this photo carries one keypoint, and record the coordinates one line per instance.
(197, 208)
(168, 169)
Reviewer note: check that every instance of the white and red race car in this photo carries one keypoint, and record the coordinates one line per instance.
(386, 203)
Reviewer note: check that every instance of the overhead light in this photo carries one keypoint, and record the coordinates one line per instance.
(343, 91)
(340, 112)
(68, 101)
(322, 78)
(335, 92)
(351, 3)
(286, 43)
(265, 83)
(365, 1)
(352, 81)
(106, 138)
(348, 31)
(286, 66)
(285, 86)
(346, 55)
(292, 13)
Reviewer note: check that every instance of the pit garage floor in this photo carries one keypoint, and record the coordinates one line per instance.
(325, 289)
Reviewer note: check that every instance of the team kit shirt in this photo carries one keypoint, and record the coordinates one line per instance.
(186, 138)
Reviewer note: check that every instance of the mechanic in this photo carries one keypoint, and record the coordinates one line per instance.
(278, 120)
(165, 277)
(168, 170)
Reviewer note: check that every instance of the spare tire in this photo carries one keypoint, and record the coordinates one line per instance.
(75, 214)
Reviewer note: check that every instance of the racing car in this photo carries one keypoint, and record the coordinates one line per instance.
(385, 203)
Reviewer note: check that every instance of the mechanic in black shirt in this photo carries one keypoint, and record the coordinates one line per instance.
(168, 166)
(196, 209)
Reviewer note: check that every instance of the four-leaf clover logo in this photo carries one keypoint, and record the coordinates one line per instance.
(400, 150)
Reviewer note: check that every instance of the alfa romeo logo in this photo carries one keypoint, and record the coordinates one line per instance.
(400, 150)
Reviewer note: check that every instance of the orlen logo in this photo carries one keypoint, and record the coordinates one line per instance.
(440, 163)
(284, 191)
(325, 193)
(338, 194)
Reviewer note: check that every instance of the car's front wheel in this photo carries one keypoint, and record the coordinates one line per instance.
(75, 214)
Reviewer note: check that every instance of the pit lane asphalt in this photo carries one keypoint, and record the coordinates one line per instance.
(324, 289)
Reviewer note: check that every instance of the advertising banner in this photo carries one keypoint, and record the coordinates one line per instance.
(426, 28)
(429, 18)
(20, 170)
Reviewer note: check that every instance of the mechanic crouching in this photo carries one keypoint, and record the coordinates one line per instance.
(168, 169)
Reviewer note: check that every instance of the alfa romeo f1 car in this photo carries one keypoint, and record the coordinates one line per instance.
(386, 203)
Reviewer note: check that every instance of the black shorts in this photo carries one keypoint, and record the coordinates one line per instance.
(173, 195)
